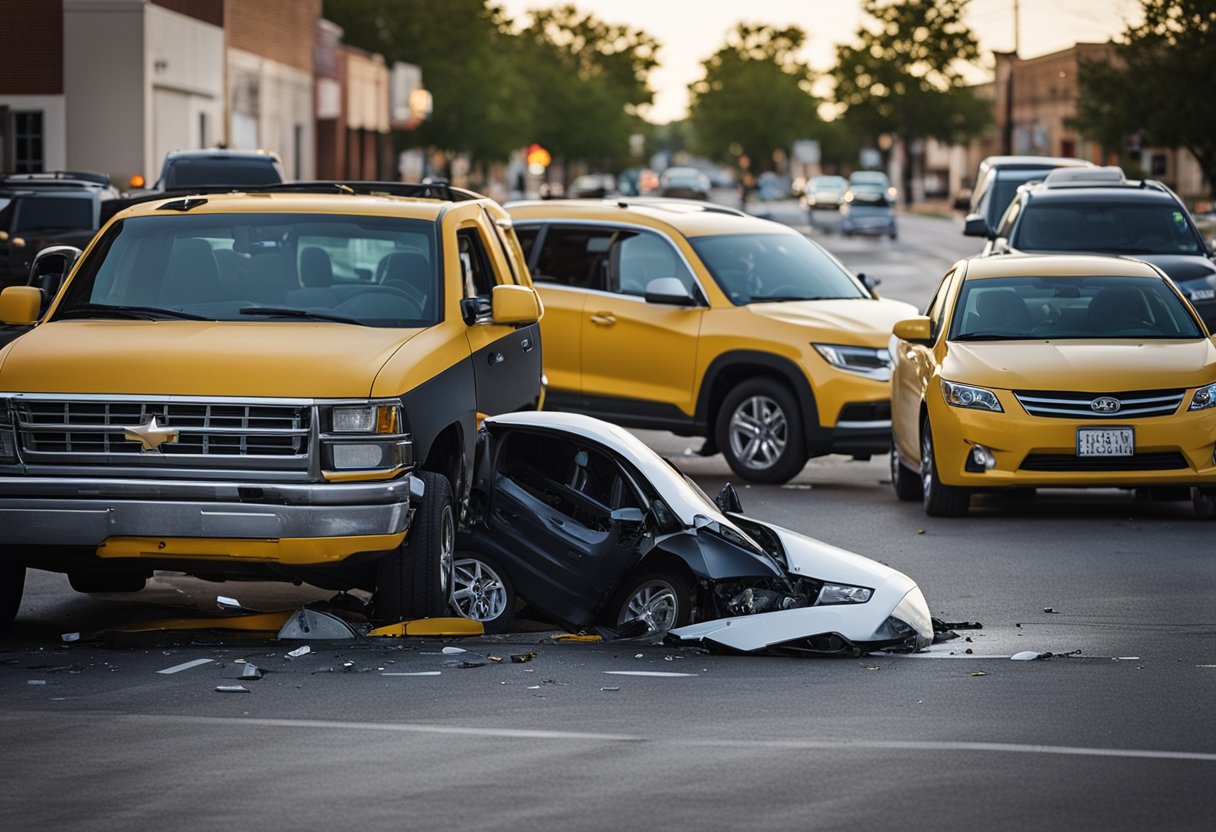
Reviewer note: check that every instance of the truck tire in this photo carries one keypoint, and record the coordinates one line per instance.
(415, 580)
(12, 585)
(760, 431)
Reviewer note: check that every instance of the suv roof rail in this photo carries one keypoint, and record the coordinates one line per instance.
(55, 176)
(1085, 177)
(429, 189)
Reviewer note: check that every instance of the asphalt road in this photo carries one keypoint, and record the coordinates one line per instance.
(1119, 736)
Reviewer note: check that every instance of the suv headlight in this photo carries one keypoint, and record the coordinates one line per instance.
(1204, 398)
(873, 362)
(973, 398)
(361, 437)
(843, 594)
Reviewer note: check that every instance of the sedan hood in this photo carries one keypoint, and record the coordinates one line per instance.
(866, 322)
(200, 358)
(1082, 365)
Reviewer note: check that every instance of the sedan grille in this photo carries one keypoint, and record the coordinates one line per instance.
(1160, 461)
(1068, 405)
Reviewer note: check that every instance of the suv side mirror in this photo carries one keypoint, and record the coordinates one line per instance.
(515, 305)
(20, 305)
(914, 331)
(669, 290)
(976, 226)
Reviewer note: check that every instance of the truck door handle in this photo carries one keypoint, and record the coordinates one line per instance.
(526, 344)
(603, 318)
(495, 358)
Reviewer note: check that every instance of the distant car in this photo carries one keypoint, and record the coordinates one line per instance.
(588, 524)
(38, 210)
(687, 183)
(825, 193)
(872, 178)
(868, 209)
(593, 185)
(999, 178)
(1060, 371)
(1098, 211)
(187, 169)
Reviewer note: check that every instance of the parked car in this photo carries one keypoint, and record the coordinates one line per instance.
(1098, 211)
(38, 210)
(1053, 371)
(825, 193)
(868, 209)
(706, 322)
(189, 169)
(997, 181)
(686, 183)
(587, 524)
(873, 178)
(282, 385)
(592, 185)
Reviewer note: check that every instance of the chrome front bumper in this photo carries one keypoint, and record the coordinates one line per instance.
(55, 511)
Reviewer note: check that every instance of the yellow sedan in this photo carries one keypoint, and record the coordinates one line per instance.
(1061, 371)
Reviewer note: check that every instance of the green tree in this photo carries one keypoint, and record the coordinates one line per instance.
(755, 96)
(1158, 84)
(904, 74)
(470, 63)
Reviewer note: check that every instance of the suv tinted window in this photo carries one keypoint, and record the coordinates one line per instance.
(54, 213)
(527, 239)
(575, 257)
(1139, 227)
(194, 173)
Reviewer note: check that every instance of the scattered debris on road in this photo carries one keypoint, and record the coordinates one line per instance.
(231, 689)
(299, 651)
(521, 658)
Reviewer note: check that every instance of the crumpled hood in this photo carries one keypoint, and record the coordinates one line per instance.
(200, 358)
(1082, 365)
(861, 322)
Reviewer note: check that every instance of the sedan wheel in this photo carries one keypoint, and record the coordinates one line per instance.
(481, 591)
(940, 500)
(659, 600)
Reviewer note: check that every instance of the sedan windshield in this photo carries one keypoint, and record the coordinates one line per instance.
(371, 271)
(1105, 228)
(758, 268)
(1051, 308)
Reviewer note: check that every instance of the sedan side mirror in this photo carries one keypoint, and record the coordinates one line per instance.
(630, 516)
(976, 226)
(914, 331)
(515, 305)
(869, 281)
(728, 500)
(669, 290)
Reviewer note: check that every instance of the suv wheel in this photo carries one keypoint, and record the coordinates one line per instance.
(940, 500)
(416, 579)
(760, 431)
(906, 483)
(12, 585)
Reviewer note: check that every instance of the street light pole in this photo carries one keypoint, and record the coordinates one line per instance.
(1007, 138)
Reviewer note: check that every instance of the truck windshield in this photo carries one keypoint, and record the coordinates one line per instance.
(370, 271)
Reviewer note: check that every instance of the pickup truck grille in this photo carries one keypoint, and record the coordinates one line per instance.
(86, 430)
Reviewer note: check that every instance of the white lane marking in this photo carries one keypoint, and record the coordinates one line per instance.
(418, 673)
(178, 668)
(796, 745)
(645, 673)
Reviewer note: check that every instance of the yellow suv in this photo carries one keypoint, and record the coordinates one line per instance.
(281, 384)
(697, 319)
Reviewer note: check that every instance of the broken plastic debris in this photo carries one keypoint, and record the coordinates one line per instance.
(577, 637)
(796, 486)
(35, 681)
(533, 687)
(451, 651)
(299, 651)
(659, 673)
(1026, 656)
(178, 668)
(1050, 610)
(231, 689)
(467, 663)
(494, 659)
(66, 637)
(638, 656)
(432, 627)
(315, 624)
(243, 671)
(610, 689)
(520, 658)
(347, 667)
(226, 603)
(416, 673)
(978, 673)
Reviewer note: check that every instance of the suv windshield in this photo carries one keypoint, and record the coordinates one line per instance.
(757, 268)
(200, 173)
(54, 213)
(373, 271)
(1048, 308)
(1155, 227)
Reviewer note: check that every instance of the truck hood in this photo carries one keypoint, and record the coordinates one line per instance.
(861, 322)
(1082, 365)
(200, 358)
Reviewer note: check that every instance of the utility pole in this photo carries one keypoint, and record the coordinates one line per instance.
(1007, 138)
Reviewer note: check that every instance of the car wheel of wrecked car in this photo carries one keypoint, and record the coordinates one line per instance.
(106, 581)
(906, 483)
(1204, 501)
(760, 431)
(663, 600)
(481, 591)
(415, 580)
(12, 584)
(940, 500)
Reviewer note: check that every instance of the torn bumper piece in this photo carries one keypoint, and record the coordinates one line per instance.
(896, 617)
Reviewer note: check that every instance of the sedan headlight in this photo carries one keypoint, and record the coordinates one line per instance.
(973, 398)
(1204, 398)
(843, 594)
(874, 362)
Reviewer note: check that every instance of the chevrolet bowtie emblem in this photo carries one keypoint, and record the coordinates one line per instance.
(151, 435)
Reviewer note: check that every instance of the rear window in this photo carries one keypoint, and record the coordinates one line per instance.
(1051, 308)
(200, 173)
(1105, 227)
(55, 213)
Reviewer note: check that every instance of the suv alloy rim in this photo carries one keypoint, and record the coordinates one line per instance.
(758, 432)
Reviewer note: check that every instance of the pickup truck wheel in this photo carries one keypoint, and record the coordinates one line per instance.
(482, 591)
(416, 579)
(12, 584)
(662, 599)
(760, 431)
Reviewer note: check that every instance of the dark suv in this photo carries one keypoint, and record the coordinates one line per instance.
(185, 170)
(1098, 211)
(38, 210)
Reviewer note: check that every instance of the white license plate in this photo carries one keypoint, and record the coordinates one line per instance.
(1105, 442)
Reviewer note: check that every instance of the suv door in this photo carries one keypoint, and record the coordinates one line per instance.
(634, 352)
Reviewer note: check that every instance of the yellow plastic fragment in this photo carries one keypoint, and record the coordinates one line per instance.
(432, 627)
(269, 622)
(577, 637)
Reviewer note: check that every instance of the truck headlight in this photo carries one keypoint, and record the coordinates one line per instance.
(372, 418)
(1204, 398)
(367, 437)
(348, 456)
(973, 398)
(867, 361)
(843, 594)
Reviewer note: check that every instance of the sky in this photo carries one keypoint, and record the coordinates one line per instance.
(692, 30)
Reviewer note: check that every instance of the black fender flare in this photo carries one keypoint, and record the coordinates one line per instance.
(780, 366)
